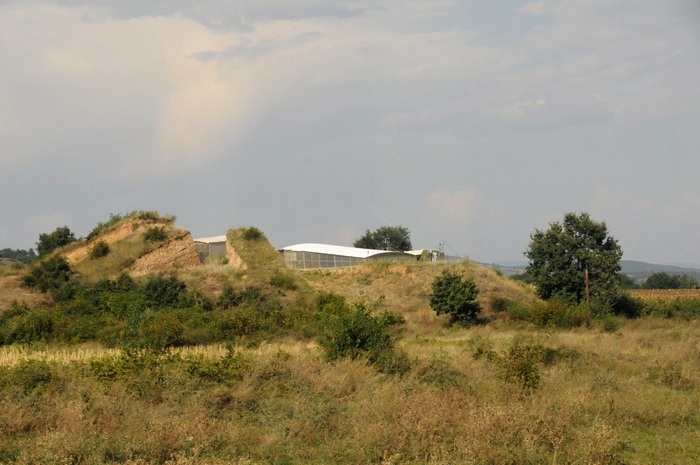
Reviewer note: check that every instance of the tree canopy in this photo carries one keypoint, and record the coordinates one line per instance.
(560, 256)
(397, 238)
(48, 242)
(455, 296)
(665, 281)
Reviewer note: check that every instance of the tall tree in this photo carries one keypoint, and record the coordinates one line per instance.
(48, 242)
(560, 256)
(397, 238)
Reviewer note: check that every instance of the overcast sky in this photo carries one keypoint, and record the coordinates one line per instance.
(471, 122)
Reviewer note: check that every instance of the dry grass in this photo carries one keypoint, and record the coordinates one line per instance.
(406, 287)
(665, 295)
(11, 290)
(628, 397)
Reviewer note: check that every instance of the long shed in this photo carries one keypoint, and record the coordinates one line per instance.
(315, 256)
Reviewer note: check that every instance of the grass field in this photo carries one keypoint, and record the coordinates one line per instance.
(626, 397)
(666, 295)
(621, 391)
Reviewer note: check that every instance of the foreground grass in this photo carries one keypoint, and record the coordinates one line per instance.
(632, 396)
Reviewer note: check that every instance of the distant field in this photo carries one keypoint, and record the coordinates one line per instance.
(665, 295)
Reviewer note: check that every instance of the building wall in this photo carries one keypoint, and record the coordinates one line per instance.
(300, 260)
(207, 251)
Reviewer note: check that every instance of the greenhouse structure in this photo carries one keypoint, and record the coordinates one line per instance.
(209, 248)
(316, 256)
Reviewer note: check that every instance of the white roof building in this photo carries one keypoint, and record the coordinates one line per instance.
(314, 256)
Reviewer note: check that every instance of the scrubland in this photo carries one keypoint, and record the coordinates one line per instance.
(231, 365)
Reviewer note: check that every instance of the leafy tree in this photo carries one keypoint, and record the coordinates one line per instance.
(455, 296)
(49, 275)
(665, 281)
(397, 238)
(24, 256)
(560, 256)
(48, 242)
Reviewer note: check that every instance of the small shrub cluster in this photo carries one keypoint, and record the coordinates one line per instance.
(101, 227)
(155, 234)
(282, 280)
(455, 296)
(157, 311)
(353, 331)
(99, 250)
(49, 275)
(253, 234)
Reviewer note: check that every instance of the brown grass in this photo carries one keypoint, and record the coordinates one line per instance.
(665, 295)
(627, 397)
(406, 288)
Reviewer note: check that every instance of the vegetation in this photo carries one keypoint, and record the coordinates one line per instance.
(561, 256)
(666, 281)
(48, 242)
(23, 256)
(455, 296)
(155, 234)
(99, 250)
(114, 219)
(252, 234)
(354, 332)
(396, 238)
(262, 364)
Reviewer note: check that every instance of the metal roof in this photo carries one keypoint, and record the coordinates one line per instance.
(211, 240)
(338, 250)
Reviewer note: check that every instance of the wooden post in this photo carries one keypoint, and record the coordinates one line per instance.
(588, 301)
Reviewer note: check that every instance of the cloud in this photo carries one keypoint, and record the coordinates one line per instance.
(129, 92)
(460, 205)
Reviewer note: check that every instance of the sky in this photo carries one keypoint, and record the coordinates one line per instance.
(471, 123)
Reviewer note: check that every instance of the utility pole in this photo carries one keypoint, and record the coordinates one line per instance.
(588, 301)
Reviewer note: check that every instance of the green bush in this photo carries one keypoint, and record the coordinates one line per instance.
(519, 365)
(31, 375)
(455, 296)
(49, 275)
(253, 234)
(164, 291)
(354, 332)
(99, 250)
(51, 241)
(155, 234)
(440, 372)
(283, 281)
(101, 227)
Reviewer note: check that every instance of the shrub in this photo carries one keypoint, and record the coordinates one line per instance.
(519, 365)
(628, 306)
(455, 296)
(32, 375)
(99, 250)
(147, 216)
(155, 234)
(101, 227)
(228, 298)
(165, 292)
(49, 275)
(253, 234)
(51, 241)
(353, 332)
(283, 281)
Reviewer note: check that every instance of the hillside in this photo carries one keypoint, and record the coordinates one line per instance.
(406, 287)
(229, 362)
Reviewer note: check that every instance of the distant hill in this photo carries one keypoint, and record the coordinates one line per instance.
(639, 271)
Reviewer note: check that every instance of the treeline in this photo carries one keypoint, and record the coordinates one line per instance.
(24, 256)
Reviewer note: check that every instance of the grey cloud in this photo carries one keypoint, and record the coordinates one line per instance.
(221, 14)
